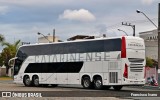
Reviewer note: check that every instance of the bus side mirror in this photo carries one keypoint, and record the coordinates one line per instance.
(11, 61)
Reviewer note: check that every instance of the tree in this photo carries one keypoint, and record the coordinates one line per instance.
(1, 41)
(8, 52)
(149, 62)
(2, 38)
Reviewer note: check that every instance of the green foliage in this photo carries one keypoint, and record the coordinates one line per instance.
(8, 52)
(149, 62)
(1, 61)
(1, 38)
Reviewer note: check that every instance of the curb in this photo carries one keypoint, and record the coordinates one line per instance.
(6, 81)
(151, 87)
(146, 87)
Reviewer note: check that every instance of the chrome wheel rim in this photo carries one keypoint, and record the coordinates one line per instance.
(86, 83)
(36, 82)
(98, 83)
(28, 81)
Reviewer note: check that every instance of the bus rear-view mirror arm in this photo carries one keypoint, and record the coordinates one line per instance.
(9, 62)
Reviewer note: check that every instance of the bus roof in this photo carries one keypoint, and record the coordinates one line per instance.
(82, 40)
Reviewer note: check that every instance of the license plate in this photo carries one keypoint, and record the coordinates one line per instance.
(135, 82)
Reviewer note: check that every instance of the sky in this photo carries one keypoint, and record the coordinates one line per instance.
(22, 19)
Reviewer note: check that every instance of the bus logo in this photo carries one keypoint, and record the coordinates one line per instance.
(6, 94)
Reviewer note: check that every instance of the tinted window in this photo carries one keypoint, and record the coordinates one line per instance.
(17, 66)
(58, 67)
(74, 47)
(18, 62)
(112, 45)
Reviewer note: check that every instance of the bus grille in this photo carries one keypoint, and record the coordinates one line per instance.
(136, 67)
(113, 77)
(136, 60)
(136, 64)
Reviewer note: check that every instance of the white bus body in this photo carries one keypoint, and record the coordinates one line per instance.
(94, 63)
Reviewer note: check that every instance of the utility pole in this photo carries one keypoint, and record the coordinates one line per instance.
(158, 36)
(44, 36)
(138, 11)
(53, 35)
(133, 26)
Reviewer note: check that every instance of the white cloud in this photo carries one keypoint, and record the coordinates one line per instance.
(3, 10)
(147, 2)
(78, 15)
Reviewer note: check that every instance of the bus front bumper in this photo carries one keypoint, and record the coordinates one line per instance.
(17, 82)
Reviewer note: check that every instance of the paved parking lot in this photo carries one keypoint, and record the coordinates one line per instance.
(74, 92)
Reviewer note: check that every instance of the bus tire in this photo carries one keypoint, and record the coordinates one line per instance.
(27, 81)
(117, 87)
(36, 81)
(86, 83)
(98, 83)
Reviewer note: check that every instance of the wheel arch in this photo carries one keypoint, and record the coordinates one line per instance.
(35, 75)
(95, 76)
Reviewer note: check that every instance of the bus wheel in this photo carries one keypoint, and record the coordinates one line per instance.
(98, 83)
(117, 87)
(36, 81)
(27, 81)
(86, 83)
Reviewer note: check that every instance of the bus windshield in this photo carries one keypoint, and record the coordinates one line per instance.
(17, 66)
(19, 60)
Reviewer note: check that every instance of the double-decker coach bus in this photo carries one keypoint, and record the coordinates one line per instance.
(111, 62)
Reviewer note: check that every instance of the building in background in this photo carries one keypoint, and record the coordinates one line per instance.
(151, 43)
(3, 71)
(48, 39)
(80, 37)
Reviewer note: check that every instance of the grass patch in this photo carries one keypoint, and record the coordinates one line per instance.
(5, 78)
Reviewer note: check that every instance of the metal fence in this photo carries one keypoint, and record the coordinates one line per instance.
(151, 72)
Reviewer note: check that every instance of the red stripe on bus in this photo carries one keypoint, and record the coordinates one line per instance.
(123, 48)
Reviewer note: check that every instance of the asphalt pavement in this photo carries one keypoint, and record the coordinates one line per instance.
(74, 92)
